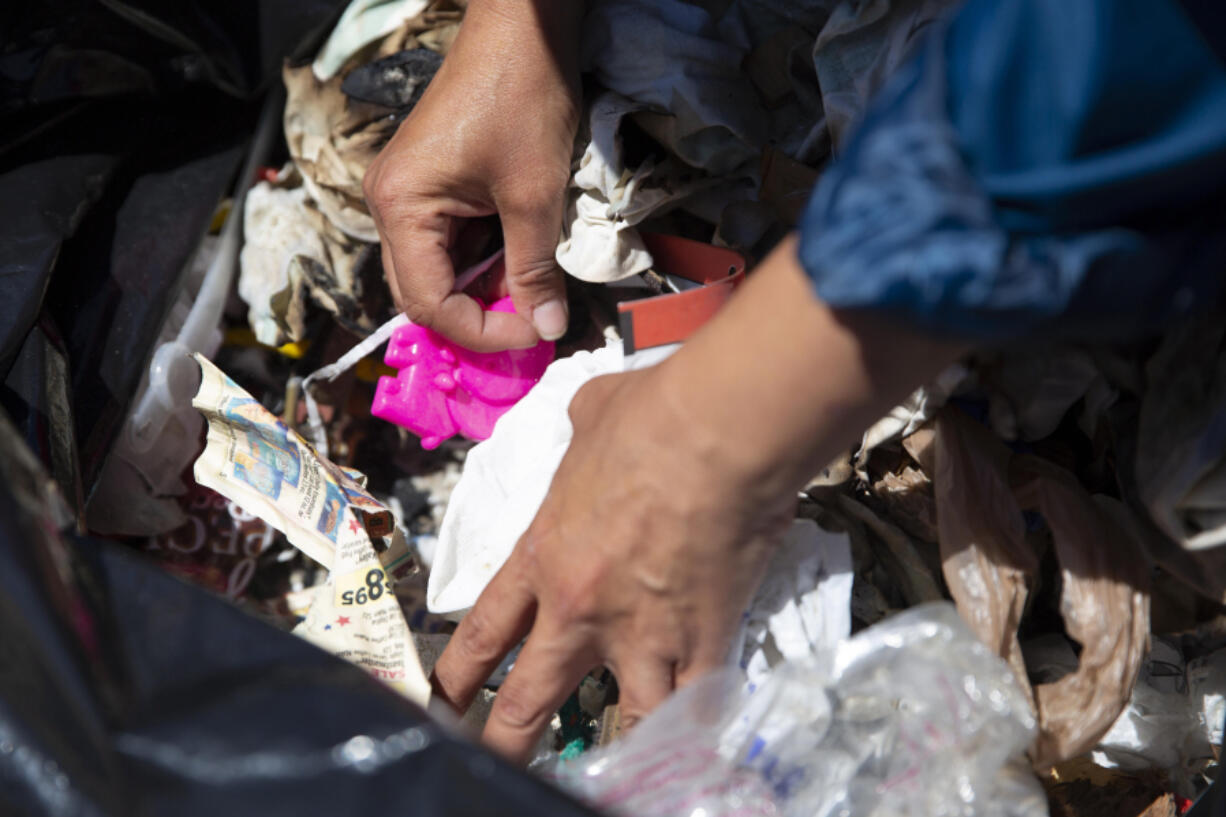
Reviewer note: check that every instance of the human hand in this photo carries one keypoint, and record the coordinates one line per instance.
(641, 559)
(493, 133)
(660, 518)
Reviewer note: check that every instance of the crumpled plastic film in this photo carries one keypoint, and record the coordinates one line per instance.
(984, 554)
(1032, 391)
(1164, 725)
(1104, 603)
(981, 491)
(1180, 445)
(912, 717)
(907, 417)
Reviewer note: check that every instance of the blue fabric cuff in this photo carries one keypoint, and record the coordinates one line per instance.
(943, 214)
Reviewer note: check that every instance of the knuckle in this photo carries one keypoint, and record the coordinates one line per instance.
(535, 272)
(370, 180)
(383, 189)
(581, 403)
(374, 186)
(481, 642)
(532, 549)
(589, 399)
(538, 196)
(520, 707)
(417, 312)
(578, 600)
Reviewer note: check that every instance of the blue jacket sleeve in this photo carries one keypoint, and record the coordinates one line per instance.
(1038, 166)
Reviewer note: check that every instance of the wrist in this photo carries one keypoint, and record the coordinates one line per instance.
(778, 384)
(528, 27)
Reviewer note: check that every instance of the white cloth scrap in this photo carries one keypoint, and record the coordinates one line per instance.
(606, 200)
(802, 605)
(505, 480)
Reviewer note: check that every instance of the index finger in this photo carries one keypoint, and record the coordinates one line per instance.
(496, 623)
(419, 244)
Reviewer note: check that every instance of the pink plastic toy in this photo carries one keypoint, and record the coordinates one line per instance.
(444, 389)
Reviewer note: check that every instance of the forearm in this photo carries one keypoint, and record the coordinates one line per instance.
(777, 384)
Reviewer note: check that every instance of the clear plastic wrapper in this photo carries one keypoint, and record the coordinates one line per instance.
(911, 717)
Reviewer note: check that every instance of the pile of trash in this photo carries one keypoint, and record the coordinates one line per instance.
(1006, 599)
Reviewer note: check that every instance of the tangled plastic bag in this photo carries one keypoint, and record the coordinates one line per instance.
(911, 717)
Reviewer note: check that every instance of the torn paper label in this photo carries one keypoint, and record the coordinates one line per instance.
(255, 460)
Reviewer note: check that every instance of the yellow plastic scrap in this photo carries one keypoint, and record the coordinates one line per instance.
(244, 337)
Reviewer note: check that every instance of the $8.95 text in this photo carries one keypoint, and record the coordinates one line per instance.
(376, 585)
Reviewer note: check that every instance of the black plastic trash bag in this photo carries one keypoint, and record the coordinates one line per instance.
(124, 691)
(122, 123)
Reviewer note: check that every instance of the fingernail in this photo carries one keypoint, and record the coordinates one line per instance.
(550, 319)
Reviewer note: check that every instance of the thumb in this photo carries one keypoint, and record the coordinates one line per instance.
(534, 280)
